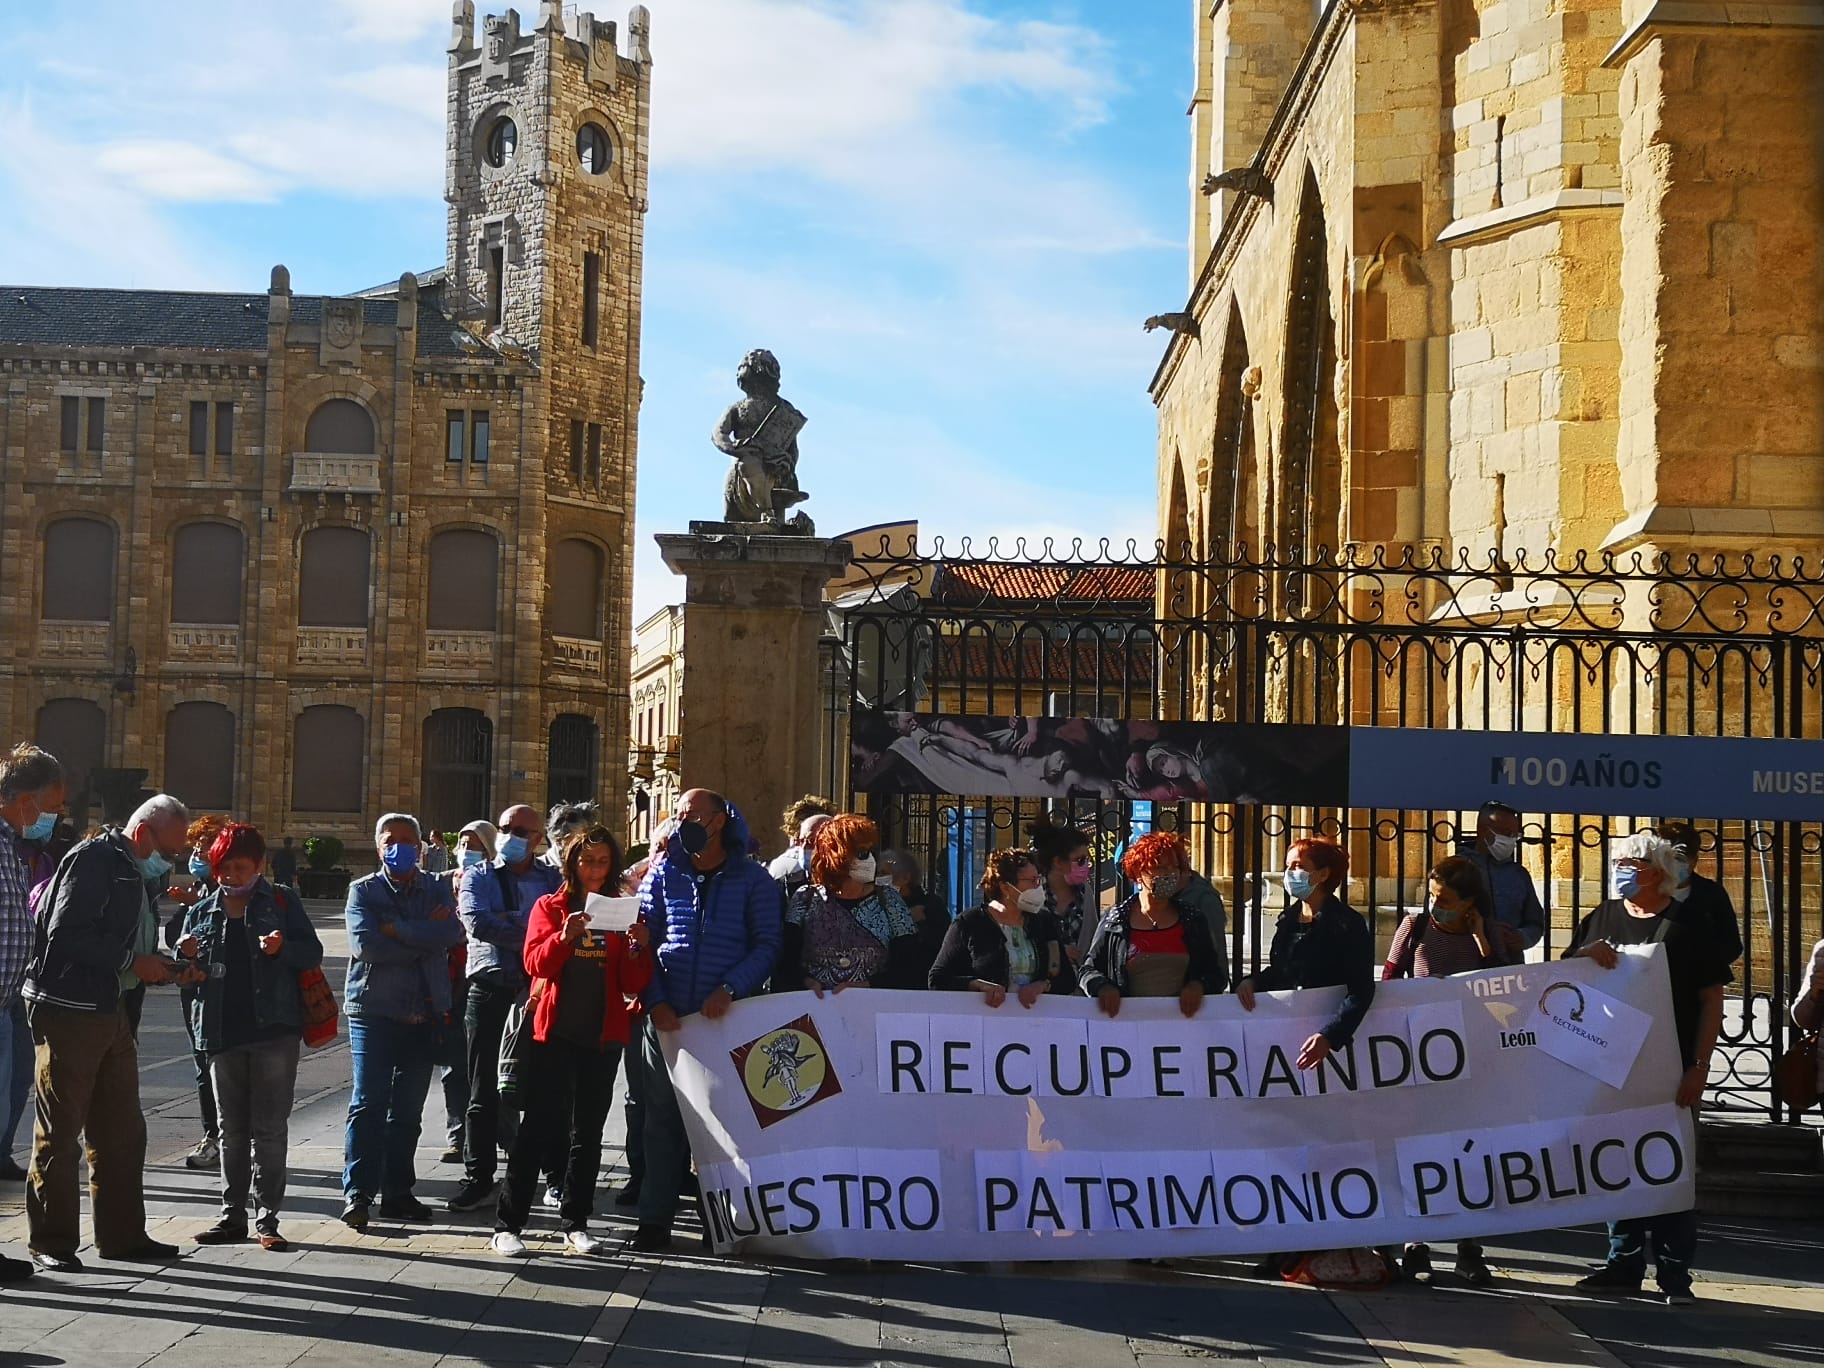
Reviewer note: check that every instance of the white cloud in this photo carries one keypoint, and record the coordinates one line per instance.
(164, 169)
(392, 21)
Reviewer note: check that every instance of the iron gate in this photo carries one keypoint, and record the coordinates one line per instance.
(1594, 644)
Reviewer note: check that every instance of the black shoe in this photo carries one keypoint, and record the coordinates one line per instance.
(10, 1172)
(14, 1270)
(651, 1239)
(354, 1215)
(146, 1251)
(472, 1195)
(1683, 1298)
(57, 1263)
(1609, 1278)
(628, 1196)
(407, 1208)
(222, 1232)
(1474, 1270)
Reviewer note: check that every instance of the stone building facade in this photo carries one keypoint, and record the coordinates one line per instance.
(657, 694)
(1501, 276)
(304, 559)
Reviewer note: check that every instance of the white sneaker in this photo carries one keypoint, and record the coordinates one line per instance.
(554, 1197)
(508, 1245)
(206, 1155)
(582, 1242)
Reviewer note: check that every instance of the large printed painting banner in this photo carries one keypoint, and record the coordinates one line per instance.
(880, 1124)
(1360, 767)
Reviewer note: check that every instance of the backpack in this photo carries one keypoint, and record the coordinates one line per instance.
(1357, 1269)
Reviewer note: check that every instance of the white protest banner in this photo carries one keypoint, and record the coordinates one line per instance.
(901, 1125)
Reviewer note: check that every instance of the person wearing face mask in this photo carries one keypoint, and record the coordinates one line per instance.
(1642, 911)
(1705, 899)
(95, 938)
(200, 835)
(792, 869)
(1495, 852)
(495, 903)
(1155, 944)
(254, 939)
(843, 929)
(31, 797)
(473, 849)
(401, 925)
(713, 916)
(1009, 943)
(1062, 855)
(1456, 935)
(901, 869)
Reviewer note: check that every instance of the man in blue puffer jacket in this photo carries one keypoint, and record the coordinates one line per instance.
(714, 916)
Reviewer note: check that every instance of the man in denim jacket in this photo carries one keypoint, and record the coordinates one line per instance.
(401, 925)
(714, 916)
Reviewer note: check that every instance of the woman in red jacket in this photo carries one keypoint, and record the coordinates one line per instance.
(581, 980)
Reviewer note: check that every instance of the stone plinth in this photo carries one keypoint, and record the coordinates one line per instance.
(749, 712)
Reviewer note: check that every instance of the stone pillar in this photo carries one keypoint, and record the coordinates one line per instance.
(750, 713)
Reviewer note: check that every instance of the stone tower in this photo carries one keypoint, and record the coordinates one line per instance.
(546, 167)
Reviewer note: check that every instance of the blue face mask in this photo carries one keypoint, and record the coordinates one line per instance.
(513, 849)
(199, 867)
(154, 866)
(1298, 883)
(1626, 881)
(472, 857)
(42, 829)
(400, 859)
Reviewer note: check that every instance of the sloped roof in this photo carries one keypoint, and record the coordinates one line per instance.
(1086, 663)
(974, 582)
(43, 316)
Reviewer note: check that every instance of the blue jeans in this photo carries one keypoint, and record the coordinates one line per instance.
(667, 1146)
(1674, 1239)
(17, 1070)
(393, 1061)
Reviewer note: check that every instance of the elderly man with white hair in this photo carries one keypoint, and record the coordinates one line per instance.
(401, 926)
(1643, 873)
(95, 940)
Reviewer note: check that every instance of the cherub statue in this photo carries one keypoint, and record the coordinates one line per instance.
(761, 433)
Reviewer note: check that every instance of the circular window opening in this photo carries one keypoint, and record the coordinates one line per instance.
(502, 142)
(593, 149)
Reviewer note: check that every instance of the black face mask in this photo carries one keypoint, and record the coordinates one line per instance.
(694, 837)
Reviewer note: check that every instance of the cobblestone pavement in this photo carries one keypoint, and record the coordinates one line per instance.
(424, 1296)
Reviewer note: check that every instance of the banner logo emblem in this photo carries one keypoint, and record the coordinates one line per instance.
(785, 1071)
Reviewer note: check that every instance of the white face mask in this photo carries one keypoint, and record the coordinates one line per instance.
(862, 870)
(1031, 900)
(1503, 848)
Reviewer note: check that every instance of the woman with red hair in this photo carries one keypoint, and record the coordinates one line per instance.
(1157, 943)
(1320, 942)
(844, 929)
(254, 939)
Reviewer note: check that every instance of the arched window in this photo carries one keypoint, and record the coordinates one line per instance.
(334, 566)
(199, 756)
(340, 425)
(458, 766)
(206, 562)
(1310, 493)
(328, 746)
(574, 595)
(78, 571)
(465, 582)
(76, 732)
(570, 763)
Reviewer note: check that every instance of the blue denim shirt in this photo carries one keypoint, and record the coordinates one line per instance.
(404, 976)
(1516, 900)
(497, 930)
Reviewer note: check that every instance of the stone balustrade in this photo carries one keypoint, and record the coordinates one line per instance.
(576, 654)
(331, 646)
(194, 641)
(59, 640)
(332, 472)
(459, 650)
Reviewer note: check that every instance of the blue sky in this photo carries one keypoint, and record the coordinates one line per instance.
(947, 217)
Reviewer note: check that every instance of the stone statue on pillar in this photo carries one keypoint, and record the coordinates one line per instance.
(761, 432)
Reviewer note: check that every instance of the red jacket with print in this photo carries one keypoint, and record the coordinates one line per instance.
(547, 952)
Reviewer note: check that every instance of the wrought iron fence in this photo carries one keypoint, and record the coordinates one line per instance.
(1629, 645)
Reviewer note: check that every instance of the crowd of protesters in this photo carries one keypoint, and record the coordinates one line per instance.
(459, 947)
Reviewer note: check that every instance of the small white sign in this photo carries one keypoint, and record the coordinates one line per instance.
(611, 914)
(1580, 1025)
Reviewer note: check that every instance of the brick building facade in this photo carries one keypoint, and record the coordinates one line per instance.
(303, 559)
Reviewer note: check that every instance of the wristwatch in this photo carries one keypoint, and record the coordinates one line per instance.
(732, 994)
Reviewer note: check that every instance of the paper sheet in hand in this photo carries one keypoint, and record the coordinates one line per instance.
(611, 914)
